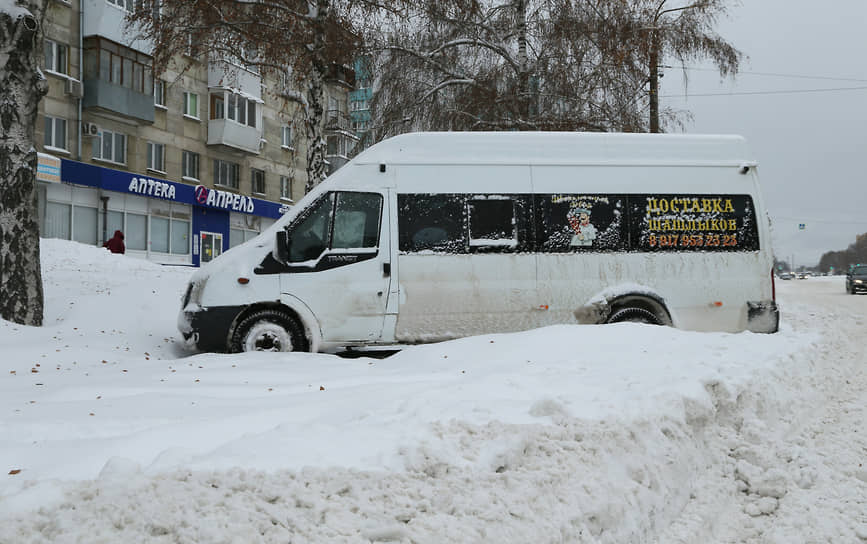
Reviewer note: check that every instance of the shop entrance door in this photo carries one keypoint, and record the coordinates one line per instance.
(212, 246)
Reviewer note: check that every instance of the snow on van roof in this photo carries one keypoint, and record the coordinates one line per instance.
(557, 148)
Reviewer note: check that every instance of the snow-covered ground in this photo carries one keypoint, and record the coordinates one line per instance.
(111, 432)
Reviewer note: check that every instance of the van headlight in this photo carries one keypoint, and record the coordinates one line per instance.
(859, 281)
(193, 294)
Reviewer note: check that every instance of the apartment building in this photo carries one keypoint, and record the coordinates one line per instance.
(186, 164)
(359, 101)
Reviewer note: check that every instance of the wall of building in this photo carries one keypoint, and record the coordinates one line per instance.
(263, 148)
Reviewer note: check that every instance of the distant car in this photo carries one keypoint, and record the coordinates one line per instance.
(856, 279)
(786, 276)
(803, 275)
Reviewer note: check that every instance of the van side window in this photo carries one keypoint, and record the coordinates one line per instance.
(492, 222)
(356, 220)
(429, 222)
(309, 239)
(693, 222)
(580, 222)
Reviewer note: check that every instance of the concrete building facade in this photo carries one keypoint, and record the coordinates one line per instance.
(186, 164)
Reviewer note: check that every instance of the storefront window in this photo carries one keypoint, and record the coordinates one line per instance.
(84, 225)
(136, 231)
(180, 237)
(236, 237)
(159, 234)
(57, 220)
(113, 222)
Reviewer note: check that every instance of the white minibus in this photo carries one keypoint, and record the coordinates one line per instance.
(432, 236)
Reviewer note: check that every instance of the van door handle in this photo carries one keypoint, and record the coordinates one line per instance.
(386, 270)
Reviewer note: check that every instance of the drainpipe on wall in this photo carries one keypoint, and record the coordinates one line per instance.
(80, 69)
(104, 218)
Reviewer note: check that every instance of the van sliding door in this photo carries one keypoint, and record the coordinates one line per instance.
(464, 261)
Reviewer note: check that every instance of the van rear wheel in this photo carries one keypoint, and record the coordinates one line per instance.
(634, 315)
(268, 330)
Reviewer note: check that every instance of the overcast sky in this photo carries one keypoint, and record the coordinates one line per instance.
(811, 146)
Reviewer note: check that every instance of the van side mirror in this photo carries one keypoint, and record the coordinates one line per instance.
(281, 247)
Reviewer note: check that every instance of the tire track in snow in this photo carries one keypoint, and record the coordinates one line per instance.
(802, 476)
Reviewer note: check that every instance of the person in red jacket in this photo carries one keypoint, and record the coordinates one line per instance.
(115, 245)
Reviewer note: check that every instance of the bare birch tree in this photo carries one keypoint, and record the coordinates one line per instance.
(533, 64)
(307, 37)
(22, 86)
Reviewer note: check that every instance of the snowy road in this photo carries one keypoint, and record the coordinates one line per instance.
(805, 479)
(109, 432)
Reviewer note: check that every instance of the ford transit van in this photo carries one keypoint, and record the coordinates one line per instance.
(431, 236)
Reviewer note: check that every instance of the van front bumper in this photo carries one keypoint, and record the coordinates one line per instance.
(207, 329)
(763, 316)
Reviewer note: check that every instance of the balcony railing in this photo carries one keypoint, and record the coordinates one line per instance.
(235, 135)
(225, 75)
(337, 120)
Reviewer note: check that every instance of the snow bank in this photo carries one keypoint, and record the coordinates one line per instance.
(568, 433)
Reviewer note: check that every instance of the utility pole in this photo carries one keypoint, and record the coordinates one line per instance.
(655, 50)
(654, 79)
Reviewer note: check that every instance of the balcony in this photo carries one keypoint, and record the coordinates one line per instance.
(339, 74)
(108, 20)
(226, 75)
(117, 99)
(336, 120)
(235, 135)
(117, 79)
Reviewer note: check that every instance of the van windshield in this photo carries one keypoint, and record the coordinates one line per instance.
(339, 221)
(310, 236)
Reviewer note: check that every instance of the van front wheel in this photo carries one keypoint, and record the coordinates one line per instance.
(268, 330)
(634, 315)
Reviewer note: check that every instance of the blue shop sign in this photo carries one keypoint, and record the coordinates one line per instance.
(127, 182)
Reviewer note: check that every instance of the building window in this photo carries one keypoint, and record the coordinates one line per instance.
(55, 132)
(156, 159)
(190, 165)
(191, 105)
(336, 145)
(234, 107)
(241, 110)
(110, 146)
(286, 136)
(226, 173)
(123, 4)
(56, 57)
(257, 178)
(285, 188)
(217, 107)
(159, 93)
(243, 227)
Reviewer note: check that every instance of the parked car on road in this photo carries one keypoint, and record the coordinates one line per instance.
(856, 279)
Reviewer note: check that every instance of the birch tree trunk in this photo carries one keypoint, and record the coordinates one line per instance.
(22, 86)
(315, 97)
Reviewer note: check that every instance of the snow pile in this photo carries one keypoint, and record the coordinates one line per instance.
(617, 433)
